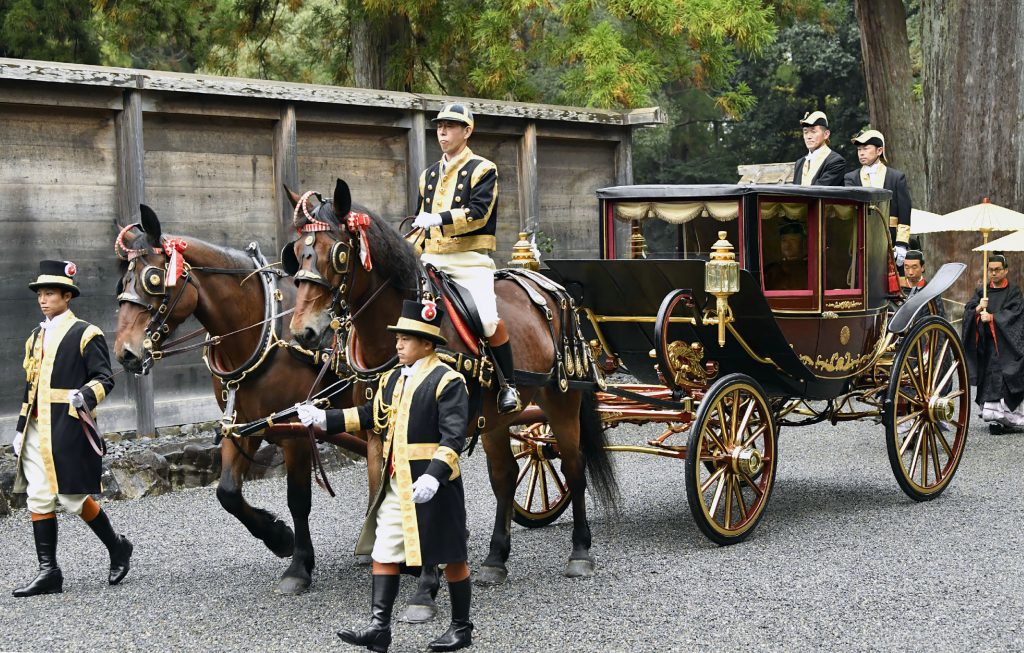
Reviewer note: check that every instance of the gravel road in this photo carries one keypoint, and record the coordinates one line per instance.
(842, 560)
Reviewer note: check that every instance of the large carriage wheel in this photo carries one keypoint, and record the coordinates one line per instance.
(731, 459)
(542, 493)
(927, 409)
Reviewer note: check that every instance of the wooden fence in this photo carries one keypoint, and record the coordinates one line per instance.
(82, 146)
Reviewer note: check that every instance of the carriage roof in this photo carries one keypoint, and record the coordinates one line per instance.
(695, 191)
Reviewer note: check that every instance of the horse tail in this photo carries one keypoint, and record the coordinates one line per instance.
(596, 460)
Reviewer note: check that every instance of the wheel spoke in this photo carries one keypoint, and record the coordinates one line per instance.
(755, 435)
(558, 479)
(924, 457)
(711, 479)
(945, 445)
(910, 434)
(728, 502)
(909, 417)
(909, 371)
(739, 498)
(746, 419)
(916, 456)
(910, 399)
(731, 433)
(533, 486)
(945, 379)
(544, 487)
(717, 497)
(935, 458)
(937, 365)
(714, 438)
(754, 486)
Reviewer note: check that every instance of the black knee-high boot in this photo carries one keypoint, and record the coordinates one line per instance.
(508, 396)
(118, 546)
(460, 632)
(49, 580)
(376, 636)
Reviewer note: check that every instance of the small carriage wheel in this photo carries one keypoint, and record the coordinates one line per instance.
(927, 409)
(542, 494)
(731, 459)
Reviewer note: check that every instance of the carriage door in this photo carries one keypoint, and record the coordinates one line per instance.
(789, 251)
(847, 330)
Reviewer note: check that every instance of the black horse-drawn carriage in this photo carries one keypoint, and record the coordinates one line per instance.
(803, 323)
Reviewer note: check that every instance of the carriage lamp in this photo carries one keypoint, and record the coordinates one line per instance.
(721, 279)
(523, 254)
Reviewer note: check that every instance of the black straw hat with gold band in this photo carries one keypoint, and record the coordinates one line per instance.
(422, 319)
(455, 112)
(814, 118)
(56, 274)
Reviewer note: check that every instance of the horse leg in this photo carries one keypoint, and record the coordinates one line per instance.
(501, 468)
(563, 412)
(422, 607)
(261, 523)
(298, 459)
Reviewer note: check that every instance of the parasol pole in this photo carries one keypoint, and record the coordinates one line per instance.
(984, 284)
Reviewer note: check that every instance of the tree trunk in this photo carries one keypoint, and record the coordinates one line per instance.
(889, 79)
(974, 99)
(377, 43)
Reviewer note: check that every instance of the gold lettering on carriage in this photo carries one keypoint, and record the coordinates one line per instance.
(836, 362)
(843, 305)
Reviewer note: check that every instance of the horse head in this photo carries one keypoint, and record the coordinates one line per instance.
(154, 294)
(320, 260)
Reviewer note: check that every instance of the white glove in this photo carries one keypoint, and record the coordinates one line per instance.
(19, 438)
(427, 220)
(76, 399)
(899, 253)
(310, 415)
(424, 488)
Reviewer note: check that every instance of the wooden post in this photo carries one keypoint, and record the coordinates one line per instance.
(529, 194)
(131, 191)
(417, 161)
(624, 177)
(286, 171)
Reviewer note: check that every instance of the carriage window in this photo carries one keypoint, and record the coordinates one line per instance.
(784, 238)
(684, 229)
(842, 249)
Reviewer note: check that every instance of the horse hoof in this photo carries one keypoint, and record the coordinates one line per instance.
(491, 576)
(363, 560)
(292, 585)
(418, 614)
(282, 541)
(579, 569)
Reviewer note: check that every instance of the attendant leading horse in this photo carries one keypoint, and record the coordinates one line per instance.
(374, 291)
(223, 304)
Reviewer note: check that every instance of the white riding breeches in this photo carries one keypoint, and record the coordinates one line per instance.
(475, 272)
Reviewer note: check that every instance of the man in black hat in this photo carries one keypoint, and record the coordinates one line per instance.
(820, 166)
(789, 272)
(418, 516)
(458, 216)
(67, 368)
(993, 337)
(874, 173)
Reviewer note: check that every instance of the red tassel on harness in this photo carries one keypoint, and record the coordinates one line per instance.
(360, 222)
(173, 247)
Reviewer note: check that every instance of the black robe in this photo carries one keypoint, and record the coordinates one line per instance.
(996, 365)
(424, 432)
(81, 362)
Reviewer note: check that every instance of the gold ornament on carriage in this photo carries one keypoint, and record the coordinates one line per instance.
(721, 279)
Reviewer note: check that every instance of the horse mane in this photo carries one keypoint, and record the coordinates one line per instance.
(227, 257)
(392, 255)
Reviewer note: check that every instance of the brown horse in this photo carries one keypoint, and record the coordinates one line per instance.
(223, 304)
(375, 297)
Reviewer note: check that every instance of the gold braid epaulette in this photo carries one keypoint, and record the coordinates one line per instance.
(383, 413)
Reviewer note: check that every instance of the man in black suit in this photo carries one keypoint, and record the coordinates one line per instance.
(873, 172)
(821, 166)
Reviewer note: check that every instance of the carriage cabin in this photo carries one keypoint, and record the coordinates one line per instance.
(814, 264)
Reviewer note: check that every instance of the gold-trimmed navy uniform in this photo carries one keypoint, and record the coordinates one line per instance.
(899, 206)
(80, 361)
(466, 198)
(424, 430)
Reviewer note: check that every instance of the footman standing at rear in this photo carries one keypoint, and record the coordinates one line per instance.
(419, 514)
(67, 369)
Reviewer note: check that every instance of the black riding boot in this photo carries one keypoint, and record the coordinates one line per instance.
(508, 396)
(118, 546)
(376, 636)
(49, 580)
(460, 632)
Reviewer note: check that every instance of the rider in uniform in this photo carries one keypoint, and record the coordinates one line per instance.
(418, 516)
(67, 368)
(458, 213)
(821, 166)
(874, 173)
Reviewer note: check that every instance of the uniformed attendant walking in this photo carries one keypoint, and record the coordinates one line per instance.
(458, 211)
(821, 166)
(67, 368)
(419, 514)
(874, 173)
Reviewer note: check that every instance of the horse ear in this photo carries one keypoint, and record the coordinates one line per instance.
(150, 223)
(342, 199)
(293, 197)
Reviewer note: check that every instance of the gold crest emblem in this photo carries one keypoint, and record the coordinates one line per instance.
(844, 335)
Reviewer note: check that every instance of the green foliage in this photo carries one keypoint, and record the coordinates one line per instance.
(814, 63)
(54, 30)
